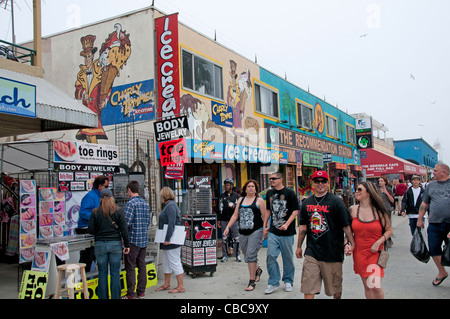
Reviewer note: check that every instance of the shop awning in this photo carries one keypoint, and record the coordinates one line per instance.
(377, 163)
(55, 110)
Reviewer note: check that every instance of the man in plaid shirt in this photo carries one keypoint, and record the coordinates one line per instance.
(137, 215)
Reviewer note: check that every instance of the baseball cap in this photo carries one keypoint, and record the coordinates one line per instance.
(106, 192)
(320, 174)
(415, 177)
(229, 180)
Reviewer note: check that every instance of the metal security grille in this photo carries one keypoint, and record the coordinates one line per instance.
(137, 155)
(199, 196)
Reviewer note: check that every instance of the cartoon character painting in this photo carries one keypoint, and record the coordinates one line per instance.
(96, 77)
(239, 92)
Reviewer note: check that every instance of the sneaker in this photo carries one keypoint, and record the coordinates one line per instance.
(270, 289)
(288, 287)
(141, 296)
(128, 297)
(238, 258)
(224, 259)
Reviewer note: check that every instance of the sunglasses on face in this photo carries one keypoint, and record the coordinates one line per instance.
(274, 178)
(320, 181)
(360, 189)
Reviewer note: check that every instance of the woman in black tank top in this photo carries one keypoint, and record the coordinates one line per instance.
(250, 212)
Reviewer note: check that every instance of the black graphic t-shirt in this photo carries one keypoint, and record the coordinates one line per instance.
(325, 222)
(250, 218)
(281, 204)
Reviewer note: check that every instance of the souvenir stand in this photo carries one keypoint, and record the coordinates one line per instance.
(199, 252)
(53, 177)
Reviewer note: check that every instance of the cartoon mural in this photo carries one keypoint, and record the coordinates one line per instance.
(96, 76)
(239, 92)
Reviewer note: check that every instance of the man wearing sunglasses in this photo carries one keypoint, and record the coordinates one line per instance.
(282, 206)
(323, 220)
(90, 201)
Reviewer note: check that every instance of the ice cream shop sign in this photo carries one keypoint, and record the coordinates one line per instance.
(17, 98)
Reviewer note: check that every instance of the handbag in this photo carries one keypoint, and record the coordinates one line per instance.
(445, 257)
(383, 258)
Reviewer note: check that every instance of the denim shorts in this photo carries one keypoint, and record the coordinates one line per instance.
(437, 234)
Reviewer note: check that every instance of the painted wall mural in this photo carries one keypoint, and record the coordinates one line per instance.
(96, 77)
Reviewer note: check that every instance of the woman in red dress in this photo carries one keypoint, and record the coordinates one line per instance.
(371, 227)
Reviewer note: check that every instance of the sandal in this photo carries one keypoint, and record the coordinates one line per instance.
(176, 291)
(251, 285)
(162, 288)
(258, 274)
(438, 281)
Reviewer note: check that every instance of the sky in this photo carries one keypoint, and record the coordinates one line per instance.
(387, 58)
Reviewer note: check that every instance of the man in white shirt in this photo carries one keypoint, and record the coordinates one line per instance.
(411, 202)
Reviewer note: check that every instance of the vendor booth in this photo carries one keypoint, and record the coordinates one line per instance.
(52, 177)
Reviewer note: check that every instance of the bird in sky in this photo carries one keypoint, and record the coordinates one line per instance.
(364, 35)
(412, 76)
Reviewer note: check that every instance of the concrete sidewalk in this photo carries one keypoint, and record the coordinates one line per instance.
(405, 277)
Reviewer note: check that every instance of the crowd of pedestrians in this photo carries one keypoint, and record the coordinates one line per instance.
(332, 231)
(329, 229)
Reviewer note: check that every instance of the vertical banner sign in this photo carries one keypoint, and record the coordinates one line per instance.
(167, 59)
(173, 152)
(364, 133)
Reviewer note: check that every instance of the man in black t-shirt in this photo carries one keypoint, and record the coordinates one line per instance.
(282, 205)
(224, 210)
(323, 219)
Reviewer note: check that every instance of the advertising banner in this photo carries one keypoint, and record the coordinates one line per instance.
(34, 285)
(85, 153)
(17, 98)
(364, 133)
(172, 128)
(28, 221)
(130, 103)
(168, 68)
(173, 152)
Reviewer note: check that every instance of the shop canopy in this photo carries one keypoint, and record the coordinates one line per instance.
(55, 110)
(377, 164)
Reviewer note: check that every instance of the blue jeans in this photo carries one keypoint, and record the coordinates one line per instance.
(108, 254)
(275, 246)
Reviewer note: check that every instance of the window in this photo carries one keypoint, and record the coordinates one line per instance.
(266, 101)
(331, 126)
(201, 75)
(350, 131)
(305, 116)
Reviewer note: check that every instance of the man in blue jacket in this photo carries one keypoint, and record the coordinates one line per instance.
(90, 201)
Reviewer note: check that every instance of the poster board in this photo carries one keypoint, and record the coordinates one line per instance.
(28, 224)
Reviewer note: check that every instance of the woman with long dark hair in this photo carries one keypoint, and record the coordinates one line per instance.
(250, 212)
(371, 227)
(107, 223)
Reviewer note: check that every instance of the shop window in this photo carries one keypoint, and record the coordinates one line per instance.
(350, 132)
(331, 126)
(201, 75)
(266, 101)
(305, 116)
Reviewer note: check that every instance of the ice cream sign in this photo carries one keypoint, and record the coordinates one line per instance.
(17, 98)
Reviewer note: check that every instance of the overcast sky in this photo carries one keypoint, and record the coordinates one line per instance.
(387, 58)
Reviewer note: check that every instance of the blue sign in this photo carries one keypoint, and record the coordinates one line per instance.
(222, 114)
(132, 102)
(17, 98)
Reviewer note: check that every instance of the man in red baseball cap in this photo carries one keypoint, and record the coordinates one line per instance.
(323, 221)
(319, 174)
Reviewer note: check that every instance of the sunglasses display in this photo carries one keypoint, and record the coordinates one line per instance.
(320, 181)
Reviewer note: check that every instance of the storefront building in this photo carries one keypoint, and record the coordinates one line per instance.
(231, 104)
